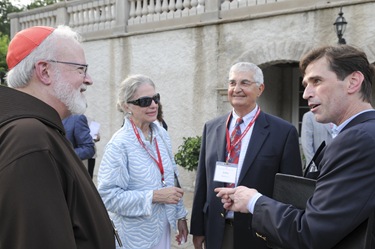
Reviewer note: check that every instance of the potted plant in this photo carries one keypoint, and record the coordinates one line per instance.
(187, 155)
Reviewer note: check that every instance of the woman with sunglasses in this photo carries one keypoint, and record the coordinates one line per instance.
(136, 175)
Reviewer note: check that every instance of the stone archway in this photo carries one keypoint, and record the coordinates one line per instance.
(276, 52)
(279, 62)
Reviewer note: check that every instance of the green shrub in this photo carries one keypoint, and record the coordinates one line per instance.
(187, 155)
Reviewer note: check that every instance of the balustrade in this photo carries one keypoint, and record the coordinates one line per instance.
(92, 16)
(113, 16)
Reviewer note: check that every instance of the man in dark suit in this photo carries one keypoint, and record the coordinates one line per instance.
(78, 133)
(268, 145)
(337, 82)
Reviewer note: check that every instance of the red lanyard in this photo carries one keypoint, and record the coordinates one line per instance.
(229, 146)
(159, 161)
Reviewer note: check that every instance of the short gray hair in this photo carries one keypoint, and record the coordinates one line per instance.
(128, 87)
(20, 75)
(246, 67)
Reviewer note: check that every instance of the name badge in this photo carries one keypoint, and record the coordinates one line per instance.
(225, 172)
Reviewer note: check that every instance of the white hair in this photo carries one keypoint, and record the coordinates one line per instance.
(128, 87)
(249, 67)
(20, 75)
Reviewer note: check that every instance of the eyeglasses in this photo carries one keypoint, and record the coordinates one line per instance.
(146, 101)
(242, 84)
(82, 69)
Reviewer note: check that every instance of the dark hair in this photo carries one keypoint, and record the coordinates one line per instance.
(160, 113)
(160, 117)
(343, 60)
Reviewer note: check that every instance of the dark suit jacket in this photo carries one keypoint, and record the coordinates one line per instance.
(274, 148)
(78, 133)
(344, 196)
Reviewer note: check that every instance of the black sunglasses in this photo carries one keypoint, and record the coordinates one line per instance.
(146, 101)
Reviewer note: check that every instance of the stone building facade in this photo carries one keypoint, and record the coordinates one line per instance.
(187, 48)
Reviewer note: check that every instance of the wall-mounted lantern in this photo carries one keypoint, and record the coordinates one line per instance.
(340, 26)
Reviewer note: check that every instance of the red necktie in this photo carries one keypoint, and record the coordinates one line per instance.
(235, 152)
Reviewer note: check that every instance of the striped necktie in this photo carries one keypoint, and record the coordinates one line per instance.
(235, 152)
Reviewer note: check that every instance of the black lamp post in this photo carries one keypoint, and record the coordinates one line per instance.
(340, 26)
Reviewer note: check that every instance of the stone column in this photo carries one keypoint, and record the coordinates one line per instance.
(122, 16)
(62, 17)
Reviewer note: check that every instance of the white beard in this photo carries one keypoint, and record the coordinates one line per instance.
(72, 98)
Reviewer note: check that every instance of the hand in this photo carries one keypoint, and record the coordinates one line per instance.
(236, 199)
(97, 138)
(199, 242)
(183, 231)
(170, 195)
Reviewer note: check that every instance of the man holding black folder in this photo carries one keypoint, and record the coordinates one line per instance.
(338, 82)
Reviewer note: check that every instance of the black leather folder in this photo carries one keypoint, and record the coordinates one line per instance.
(297, 190)
(293, 190)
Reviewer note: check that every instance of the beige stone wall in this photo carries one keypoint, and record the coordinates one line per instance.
(189, 65)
